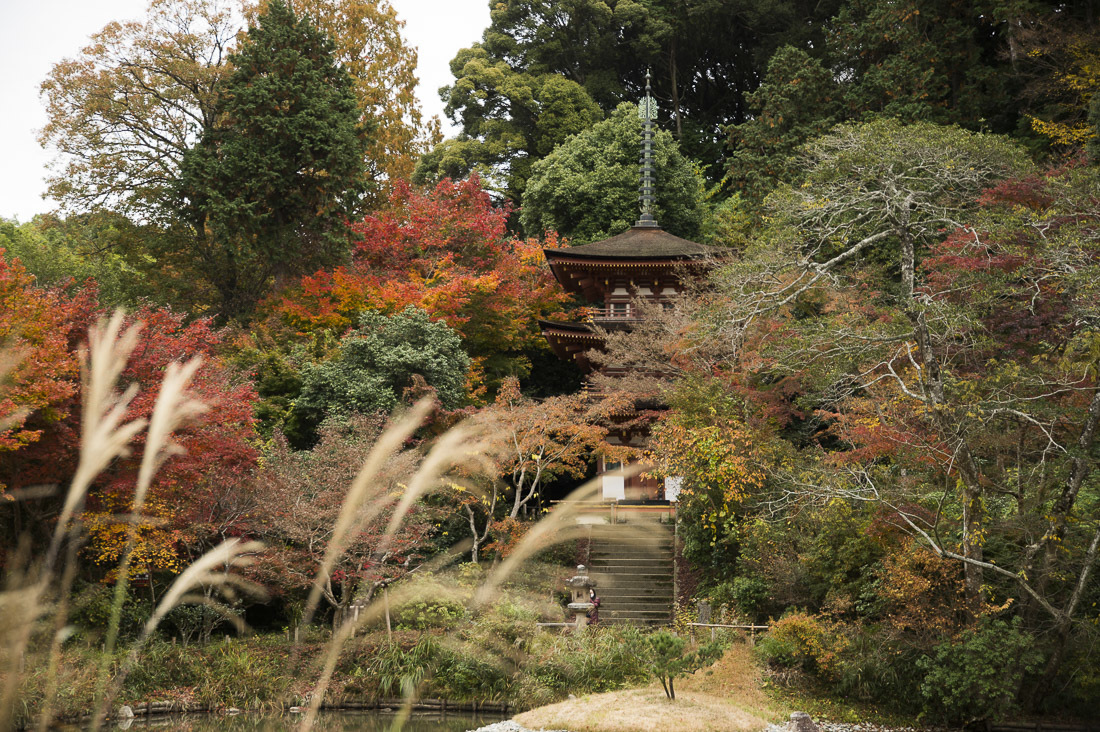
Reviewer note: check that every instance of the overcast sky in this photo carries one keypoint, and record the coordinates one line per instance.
(35, 34)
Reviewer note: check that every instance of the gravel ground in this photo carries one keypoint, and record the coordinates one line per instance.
(838, 727)
(510, 726)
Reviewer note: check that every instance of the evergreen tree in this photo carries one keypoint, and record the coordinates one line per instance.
(269, 192)
(705, 56)
(587, 189)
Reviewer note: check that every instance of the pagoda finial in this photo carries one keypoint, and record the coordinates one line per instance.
(647, 110)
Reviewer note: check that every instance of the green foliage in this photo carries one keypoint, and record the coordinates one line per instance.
(704, 55)
(92, 611)
(728, 223)
(587, 189)
(422, 614)
(270, 190)
(746, 595)
(928, 60)
(590, 663)
(1093, 145)
(378, 362)
(58, 252)
(668, 659)
(510, 119)
(976, 676)
(797, 640)
(797, 101)
(224, 673)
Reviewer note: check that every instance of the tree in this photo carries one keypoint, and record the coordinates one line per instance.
(544, 439)
(957, 393)
(668, 659)
(126, 112)
(62, 252)
(123, 114)
(709, 55)
(370, 47)
(301, 496)
(885, 185)
(721, 465)
(377, 363)
(509, 120)
(446, 252)
(927, 60)
(798, 100)
(38, 368)
(586, 189)
(1063, 80)
(196, 497)
(269, 191)
(705, 55)
(534, 441)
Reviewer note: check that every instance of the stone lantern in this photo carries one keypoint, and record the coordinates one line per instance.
(579, 585)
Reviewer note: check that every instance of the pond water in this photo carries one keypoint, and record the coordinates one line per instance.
(341, 721)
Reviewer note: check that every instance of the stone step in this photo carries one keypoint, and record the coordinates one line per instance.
(633, 568)
(638, 572)
(635, 589)
(634, 593)
(630, 565)
(648, 536)
(662, 616)
(634, 546)
(621, 607)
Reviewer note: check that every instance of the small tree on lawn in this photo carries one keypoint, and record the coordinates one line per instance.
(668, 659)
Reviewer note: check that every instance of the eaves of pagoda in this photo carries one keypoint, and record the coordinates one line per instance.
(641, 255)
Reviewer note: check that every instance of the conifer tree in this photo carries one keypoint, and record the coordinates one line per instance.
(269, 192)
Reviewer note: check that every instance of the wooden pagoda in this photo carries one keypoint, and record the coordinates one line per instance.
(645, 262)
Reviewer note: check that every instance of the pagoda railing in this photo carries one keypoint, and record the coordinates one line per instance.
(613, 315)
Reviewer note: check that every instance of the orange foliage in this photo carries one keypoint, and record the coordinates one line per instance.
(445, 251)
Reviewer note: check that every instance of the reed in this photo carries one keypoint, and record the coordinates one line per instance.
(35, 595)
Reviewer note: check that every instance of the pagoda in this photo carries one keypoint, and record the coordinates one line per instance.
(645, 262)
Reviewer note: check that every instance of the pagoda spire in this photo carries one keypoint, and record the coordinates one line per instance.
(647, 110)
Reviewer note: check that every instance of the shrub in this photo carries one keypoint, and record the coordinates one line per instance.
(423, 614)
(746, 596)
(797, 641)
(975, 677)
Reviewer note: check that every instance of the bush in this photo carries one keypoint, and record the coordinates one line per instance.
(976, 676)
(746, 596)
(424, 614)
(799, 641)
(605, 659)
(92, 611)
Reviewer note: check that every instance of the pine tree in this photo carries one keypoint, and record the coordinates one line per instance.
(269, 192)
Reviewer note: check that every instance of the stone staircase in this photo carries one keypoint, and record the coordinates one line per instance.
(632, 565)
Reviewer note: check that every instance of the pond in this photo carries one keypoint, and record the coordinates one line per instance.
(335, 721)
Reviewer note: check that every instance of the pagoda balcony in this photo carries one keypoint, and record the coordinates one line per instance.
(614, 316)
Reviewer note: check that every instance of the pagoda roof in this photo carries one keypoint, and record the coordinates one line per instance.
(645, 243)
(570, 341)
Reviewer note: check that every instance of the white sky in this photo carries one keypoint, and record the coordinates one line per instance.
(35, 34)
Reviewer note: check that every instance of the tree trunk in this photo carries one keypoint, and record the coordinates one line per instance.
(973, 512)
(675, 91)
(969, 474)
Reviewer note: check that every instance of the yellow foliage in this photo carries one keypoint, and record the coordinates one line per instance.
(155, 548)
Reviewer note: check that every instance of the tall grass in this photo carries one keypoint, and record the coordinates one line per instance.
(35, 596)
